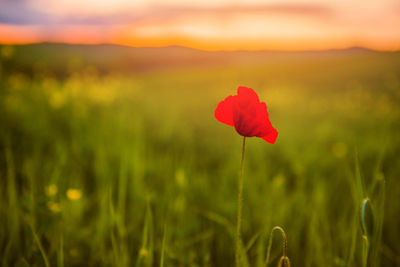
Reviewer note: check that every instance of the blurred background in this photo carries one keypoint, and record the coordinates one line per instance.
(110, 154)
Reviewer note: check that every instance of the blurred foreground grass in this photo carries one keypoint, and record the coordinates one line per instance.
(97, 167)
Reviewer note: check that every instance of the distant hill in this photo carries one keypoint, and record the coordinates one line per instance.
(59, 58)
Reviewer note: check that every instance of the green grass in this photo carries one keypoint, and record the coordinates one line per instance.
(130, 168)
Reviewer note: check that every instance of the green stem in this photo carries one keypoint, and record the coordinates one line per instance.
(239, 204)
(284, 246)
(39, 244)
(163, 246)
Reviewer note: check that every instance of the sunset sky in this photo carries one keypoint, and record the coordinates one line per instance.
(206, 24)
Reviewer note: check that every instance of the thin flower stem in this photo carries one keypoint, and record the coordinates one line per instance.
(239, 204)
(284, 247)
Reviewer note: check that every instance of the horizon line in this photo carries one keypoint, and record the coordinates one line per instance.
(203, 49)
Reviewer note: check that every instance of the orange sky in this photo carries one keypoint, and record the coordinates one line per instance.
(206, 24)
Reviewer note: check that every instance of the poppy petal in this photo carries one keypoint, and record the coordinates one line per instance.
(262, 115)
(247, 94)
(271, 137)
(223, 112)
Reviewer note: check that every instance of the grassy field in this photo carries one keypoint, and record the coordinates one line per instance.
(111, 156)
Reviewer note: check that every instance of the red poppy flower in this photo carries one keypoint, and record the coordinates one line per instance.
(247, 114)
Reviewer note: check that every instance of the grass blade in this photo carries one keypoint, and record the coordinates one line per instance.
(163, 246)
